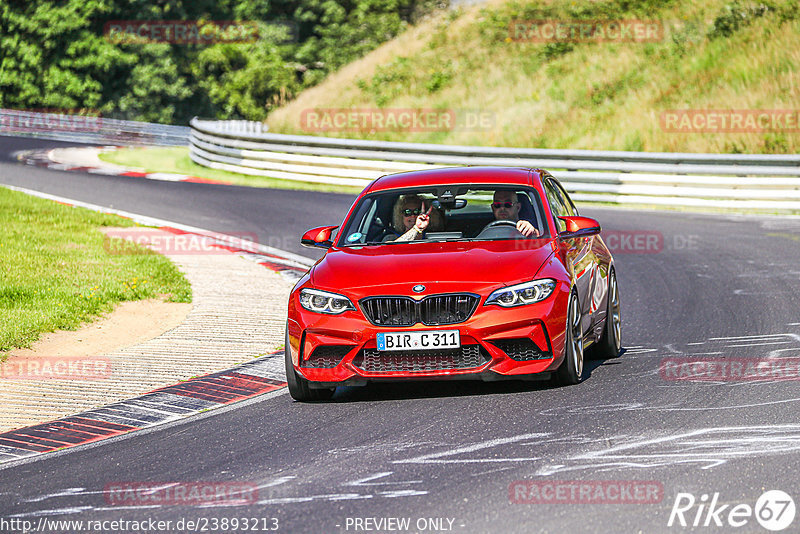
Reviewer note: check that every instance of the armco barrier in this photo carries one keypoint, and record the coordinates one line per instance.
(89, 129)
(742, 181)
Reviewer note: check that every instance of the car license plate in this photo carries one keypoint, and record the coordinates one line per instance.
(437, 339)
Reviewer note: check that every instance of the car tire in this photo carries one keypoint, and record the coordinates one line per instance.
(298, 386)
(571, 370)
(610, 343)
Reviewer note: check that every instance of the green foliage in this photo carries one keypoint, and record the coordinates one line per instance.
(51, 56)
(244, 81)
(56, 56)
(554, 50)
(389, 80)
(440, 78)
(734, 16)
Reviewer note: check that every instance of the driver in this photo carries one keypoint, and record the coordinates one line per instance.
(505, 207)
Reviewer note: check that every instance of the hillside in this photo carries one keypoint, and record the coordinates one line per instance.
(715, 55)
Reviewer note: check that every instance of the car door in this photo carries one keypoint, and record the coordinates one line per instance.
(578, 253)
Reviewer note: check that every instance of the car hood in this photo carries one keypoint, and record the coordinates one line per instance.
(441, 267)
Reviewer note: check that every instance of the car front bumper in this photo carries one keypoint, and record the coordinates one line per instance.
(525, 342)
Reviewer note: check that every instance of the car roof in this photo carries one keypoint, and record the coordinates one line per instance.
(454, 175)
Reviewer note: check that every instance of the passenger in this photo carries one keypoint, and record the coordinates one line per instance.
(506, 206)
(411, 219)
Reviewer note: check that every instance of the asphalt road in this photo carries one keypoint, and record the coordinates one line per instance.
(717, 287)
(276, 217)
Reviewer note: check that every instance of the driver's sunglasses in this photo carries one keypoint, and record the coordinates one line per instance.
(408, 212)
(498, 205)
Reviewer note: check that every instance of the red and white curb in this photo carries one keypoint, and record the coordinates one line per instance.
(169, 403)
(160, 406)
(44, 158)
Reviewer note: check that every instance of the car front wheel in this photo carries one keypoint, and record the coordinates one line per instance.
(571, 370)
(298, 386)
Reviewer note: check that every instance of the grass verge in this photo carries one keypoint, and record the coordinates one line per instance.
(176, 160)
(717, 54)
(56, 273)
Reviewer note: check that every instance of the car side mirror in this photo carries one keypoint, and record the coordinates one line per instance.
(579, 227)
(318, 237)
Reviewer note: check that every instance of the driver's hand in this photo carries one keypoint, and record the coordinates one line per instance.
(525, 228)
(423, 219)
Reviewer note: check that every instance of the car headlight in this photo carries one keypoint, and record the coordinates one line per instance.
(323, 302)
(522, 294)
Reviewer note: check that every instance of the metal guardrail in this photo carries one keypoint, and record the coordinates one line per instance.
(745, 181)
(89, 129)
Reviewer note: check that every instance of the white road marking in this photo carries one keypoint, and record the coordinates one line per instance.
(277, 482)
(437, 457)
(401, 493)
(710, 447)
(490, 471)
(366, 480)
(56, 511)
(743, 338)
(761, 344)
(134, 507)
(776, 354)
(63, 493)
(327, 497)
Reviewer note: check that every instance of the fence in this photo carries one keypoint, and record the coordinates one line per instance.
(89, 129)
(745, 181)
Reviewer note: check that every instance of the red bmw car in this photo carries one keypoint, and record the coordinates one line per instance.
(459, 273)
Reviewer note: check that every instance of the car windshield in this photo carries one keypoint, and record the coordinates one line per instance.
(455, 213)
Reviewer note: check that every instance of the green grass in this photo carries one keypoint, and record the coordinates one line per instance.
(176, 160)
(55, 273)
(717, 54)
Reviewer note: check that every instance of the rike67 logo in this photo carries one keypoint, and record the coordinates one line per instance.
(774, 510)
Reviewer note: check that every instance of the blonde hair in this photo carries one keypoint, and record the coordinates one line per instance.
(437, 219)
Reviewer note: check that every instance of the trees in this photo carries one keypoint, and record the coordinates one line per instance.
(56, 56)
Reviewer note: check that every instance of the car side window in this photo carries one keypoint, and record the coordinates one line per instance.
(565, 200)
(556, 205)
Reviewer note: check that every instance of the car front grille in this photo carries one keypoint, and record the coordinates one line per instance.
(435, 310)
(326, 356)
(466, 357)
(522, 349)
